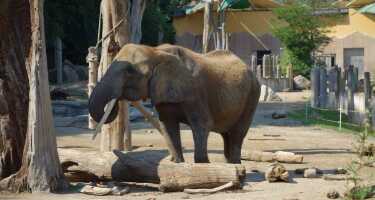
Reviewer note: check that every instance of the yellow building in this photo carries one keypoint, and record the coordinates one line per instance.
(241, 26)
(353, 33)
(353, 36)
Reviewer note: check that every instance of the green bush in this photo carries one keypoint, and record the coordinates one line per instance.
(301, 37)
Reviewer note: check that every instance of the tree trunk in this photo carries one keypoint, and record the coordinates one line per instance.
(14, 40)
(129, 15)
(206, 26)
(40, 170)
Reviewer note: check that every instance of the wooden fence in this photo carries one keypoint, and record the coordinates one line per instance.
(270, 73)
(341, 90)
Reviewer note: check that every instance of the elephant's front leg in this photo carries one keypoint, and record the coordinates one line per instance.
(199, 123)
(173, 129)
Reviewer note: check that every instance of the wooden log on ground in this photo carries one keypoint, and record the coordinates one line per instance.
(152, 166)
(280, 156)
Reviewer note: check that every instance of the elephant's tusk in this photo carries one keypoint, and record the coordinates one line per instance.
(108, 110)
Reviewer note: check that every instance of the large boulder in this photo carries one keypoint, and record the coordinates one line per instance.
(301, 83)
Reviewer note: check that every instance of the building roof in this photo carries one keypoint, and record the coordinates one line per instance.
(232, 4)
(369, 9)
(359, 3)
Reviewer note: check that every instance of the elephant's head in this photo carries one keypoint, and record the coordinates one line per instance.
(141, 72)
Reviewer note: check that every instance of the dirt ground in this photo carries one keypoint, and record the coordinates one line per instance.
(325, 149)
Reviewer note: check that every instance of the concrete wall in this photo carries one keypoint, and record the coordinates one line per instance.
(242, 44)
(258, 22)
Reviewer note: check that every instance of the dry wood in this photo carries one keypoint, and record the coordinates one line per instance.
(157, 124)
(135, 184)
(280, 156)
(277, 172)
(209, 191)
(152, 167)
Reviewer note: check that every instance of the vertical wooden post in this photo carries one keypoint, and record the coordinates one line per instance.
(350, 90)
(334, 87)
(58, 61)
(323, 88)
(355, 79)
(367, 91)
(267, 66)
(315, 81)
(92, 60)
(290, 77)
(259, 72)
(254, 63)
(206, 25)
(278, 71)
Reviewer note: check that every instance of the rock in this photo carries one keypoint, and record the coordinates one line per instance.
(311, 173)
(277, 172)
(267, 94)
(369, 150)
(333, 194)
(301, 83)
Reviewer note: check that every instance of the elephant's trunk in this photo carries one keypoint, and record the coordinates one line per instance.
(110, 87)
(99, 98)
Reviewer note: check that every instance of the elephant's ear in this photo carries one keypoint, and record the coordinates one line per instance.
(171, 81)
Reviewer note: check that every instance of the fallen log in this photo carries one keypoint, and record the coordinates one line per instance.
(151, 166)
(280, 156)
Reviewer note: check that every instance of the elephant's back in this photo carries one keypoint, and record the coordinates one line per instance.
(229, 83)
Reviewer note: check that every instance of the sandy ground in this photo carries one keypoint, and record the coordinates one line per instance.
(322, 148)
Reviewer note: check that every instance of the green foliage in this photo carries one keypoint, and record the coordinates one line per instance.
(303, 35)
(76, 23)
(157, 21)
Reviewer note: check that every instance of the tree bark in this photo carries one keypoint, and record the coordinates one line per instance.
(129, 14)
(14, 40)
(40, 170)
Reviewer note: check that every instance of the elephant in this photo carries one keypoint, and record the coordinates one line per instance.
(209, 92)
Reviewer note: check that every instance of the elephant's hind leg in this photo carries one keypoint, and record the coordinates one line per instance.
(233, 139)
